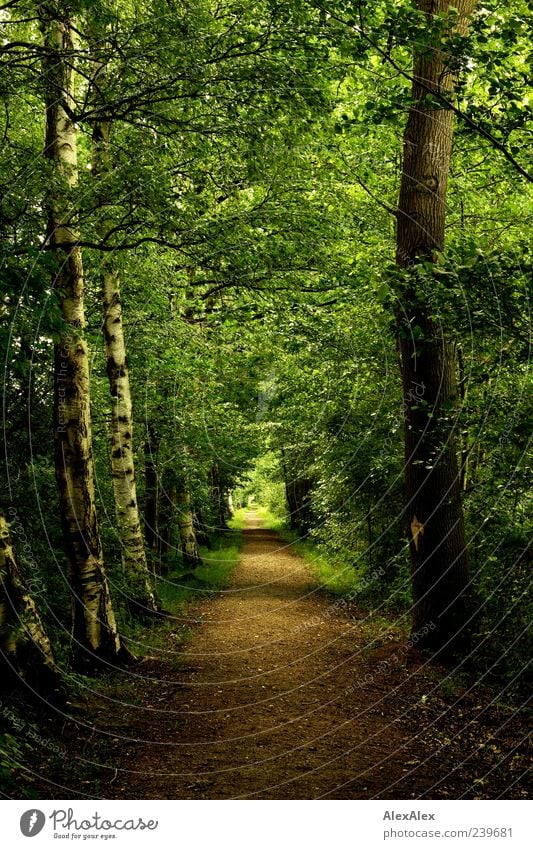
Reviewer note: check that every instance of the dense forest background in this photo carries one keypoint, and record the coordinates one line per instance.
(270, 253)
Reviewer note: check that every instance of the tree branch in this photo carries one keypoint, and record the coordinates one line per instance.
(441, 97)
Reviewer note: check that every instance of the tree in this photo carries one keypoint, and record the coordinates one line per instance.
(427, 357)
(24, 643)
(141, 597)
(185, 521)
(94, 629)
(238, 192)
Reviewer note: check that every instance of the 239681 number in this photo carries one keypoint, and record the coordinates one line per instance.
(491, 832)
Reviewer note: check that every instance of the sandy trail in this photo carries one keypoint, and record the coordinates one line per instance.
(269, 702)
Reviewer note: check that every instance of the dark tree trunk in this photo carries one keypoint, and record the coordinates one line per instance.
(432, 477)
(298, 491)
(217, 496)
(167, 503)
(200, 529)
(150, 489)
(298, 495)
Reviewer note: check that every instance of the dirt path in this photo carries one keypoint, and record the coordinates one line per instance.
(282, 693)
(273, 706)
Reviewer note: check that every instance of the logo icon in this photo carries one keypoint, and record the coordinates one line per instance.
(32, 822)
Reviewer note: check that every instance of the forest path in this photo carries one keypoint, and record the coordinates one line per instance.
(270, 701)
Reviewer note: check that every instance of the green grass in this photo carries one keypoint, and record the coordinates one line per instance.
(238, 522)
(270, 521)
(172, 593)
(176, 592)
(219, 562)
(337, 577)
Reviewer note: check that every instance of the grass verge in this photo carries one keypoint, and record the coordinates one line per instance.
(66, 754)
(176, 591)
(272, 522)
(238, 521)
(337, 577)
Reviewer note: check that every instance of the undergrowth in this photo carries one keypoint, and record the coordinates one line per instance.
(337, 577)
(177, 590)
(30, 738)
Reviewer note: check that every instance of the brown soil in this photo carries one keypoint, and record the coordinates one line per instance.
(283, 694)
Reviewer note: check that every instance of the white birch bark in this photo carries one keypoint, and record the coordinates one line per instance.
(140, 591)
(95, 634)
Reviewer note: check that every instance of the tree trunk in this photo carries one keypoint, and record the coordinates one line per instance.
(24, 644)
(217, 497)
(150, 489)
(201, 529)
(95, 633)
(167, 508)
(432, 478)
(465, 447)
(289, 492)
(228, 505)
(141, 595)
(298, 495)
(188, 542)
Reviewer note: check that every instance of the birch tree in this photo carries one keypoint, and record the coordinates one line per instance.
(141, 594)
(94, 630)
(24, 643)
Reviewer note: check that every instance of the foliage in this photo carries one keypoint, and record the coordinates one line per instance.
(255, 152)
